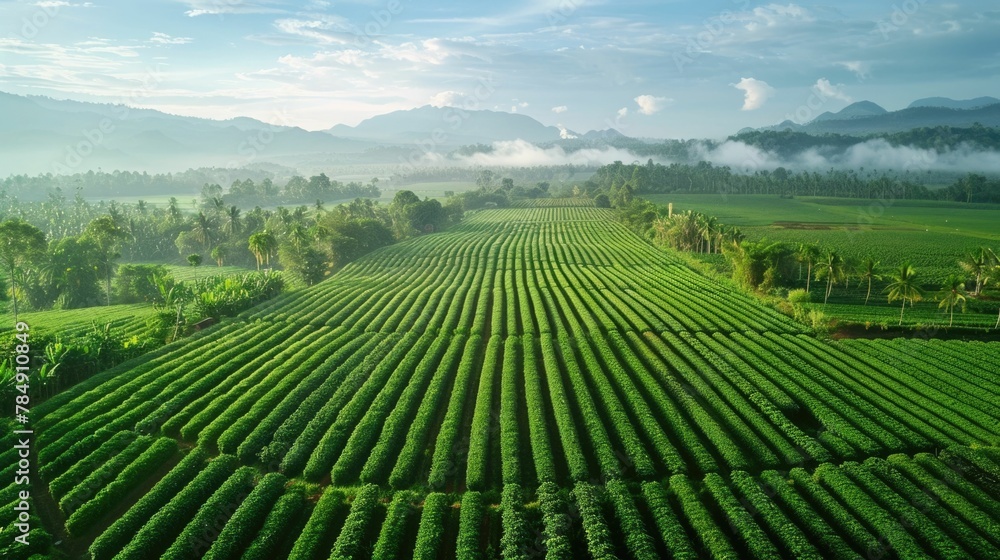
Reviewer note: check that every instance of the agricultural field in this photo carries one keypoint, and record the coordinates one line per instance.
(73, 322)
(931, 235)
(207, 269)
(435, 189)
(534, 381)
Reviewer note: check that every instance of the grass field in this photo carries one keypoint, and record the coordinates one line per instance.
(933, 236)
(822, 214)
(72, 322)
(533, 381)
(428, 190)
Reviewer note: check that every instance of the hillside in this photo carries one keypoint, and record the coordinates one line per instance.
(609, 399)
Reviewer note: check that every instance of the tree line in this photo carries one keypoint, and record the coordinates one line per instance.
(705, 178)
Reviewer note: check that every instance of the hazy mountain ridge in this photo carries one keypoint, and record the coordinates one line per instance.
(866, 117)
(448, 127)
(43, 135)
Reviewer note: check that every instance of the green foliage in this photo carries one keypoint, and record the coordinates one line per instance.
(362, 514)
(319, 532)
(118, 535)
(799, 295)
(130, 478)
(225, 296)
(137, 283)
(279, 527)
(469, 524)
(431, 532)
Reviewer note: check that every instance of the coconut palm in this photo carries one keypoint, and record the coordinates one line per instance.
(952, 293)
(904, 287)
(203, 229)
(831, 268)
(232, 223)
(262, 244)
(978, 264)
(867, 272)
(807, 253)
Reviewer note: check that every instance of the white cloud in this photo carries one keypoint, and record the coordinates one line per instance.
(429, 51)
(448, 99)
(315, 29)
(859, 68)
(164, 39)
(564, 133)
(826, 90)
(623, 112)
(62, 4)
(216, 7)
(755, 92)
(519, 153)
(560, 109)
(773, 15)
(649, 105)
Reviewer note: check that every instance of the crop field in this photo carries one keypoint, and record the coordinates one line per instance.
(71, 322)
(933, 239)
(206, 270)
(931, 235)
(532, 382)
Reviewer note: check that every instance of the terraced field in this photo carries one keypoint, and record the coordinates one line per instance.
(535, 381)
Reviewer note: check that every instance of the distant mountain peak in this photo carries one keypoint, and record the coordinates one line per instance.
(861, 109)
(949, 103)
(866, 117)
(449, 126)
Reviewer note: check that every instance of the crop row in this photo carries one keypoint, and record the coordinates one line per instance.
(904, 506)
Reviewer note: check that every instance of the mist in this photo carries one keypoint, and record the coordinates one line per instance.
(872, 154)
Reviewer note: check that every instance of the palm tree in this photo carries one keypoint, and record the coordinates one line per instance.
(978, 264)
(807, 253)
(202, 230)
(831, 268)
(707, 226)
(233, 223)
(262, 244)
(904, 287)
(868, 273)
(952, 294)
(173, 210)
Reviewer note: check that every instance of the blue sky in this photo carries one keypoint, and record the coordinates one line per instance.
(648, 68)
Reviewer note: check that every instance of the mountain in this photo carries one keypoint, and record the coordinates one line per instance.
(949, 103)
(603, 135)
(865, 117)
(861, 109)
(447, 127)
(43, 135)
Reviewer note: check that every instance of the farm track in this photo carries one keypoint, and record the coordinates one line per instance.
(546, 360)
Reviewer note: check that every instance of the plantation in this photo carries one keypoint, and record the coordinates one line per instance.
(534, 381)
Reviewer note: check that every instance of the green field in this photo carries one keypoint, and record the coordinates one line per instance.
(837, 214)
(534, 381)
(429, 189)
(72, 322)
(933, 236)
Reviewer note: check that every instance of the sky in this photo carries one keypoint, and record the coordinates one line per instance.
(658, 69)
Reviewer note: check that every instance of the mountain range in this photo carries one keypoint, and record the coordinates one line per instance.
(41, 135)
(44, 135)
(866, 117)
